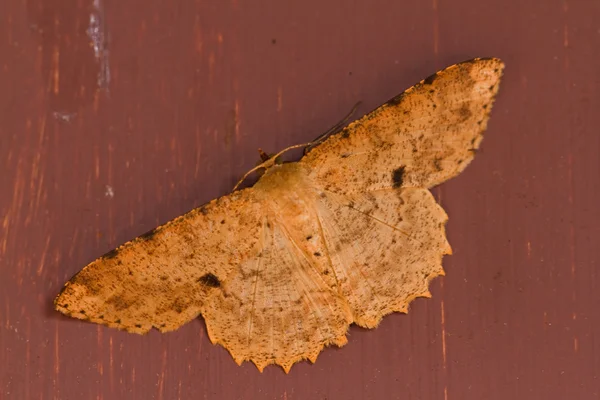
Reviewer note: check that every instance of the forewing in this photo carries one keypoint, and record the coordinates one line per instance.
(421, 138)
(163, 278)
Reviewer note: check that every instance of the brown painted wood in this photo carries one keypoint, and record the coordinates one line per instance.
(98, 148)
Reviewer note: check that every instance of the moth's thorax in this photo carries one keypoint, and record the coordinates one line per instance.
(283, 178)
(287, 190)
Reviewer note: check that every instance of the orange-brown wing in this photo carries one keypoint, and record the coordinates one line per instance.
(282, 305)
(421, 138)
(325, 260)
(277, 308)
(162, 279)
(383, 247)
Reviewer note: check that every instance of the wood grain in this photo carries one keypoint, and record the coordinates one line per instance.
(118, 116)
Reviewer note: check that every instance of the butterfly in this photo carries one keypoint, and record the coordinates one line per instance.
(347, 234)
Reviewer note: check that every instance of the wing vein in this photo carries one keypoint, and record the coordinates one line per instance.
(327, 250)
(354, 250)
(314, 309)
(374, 218)
(255, 284)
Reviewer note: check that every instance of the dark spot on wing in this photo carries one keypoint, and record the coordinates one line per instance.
(397, 176)
(316, 253)
(210, 280)
(429, 80)
(110, 254)
(464, 112)
(396, 100)
(148, 235)
(177, 306)
(309, 237)
(118, 302)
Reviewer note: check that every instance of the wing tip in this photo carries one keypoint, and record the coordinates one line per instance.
(494, 62)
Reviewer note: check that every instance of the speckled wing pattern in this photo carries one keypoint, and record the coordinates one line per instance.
(346, 235)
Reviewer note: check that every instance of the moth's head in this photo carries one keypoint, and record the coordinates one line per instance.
(266, 161)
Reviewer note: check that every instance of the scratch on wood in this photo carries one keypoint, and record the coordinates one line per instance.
(99, 37)
(56, 361)
(100, 365)
(40, 268)
(55, 71)
(436, 27)
(111, 369)
(161, 379)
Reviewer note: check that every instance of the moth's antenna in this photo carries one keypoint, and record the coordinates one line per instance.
(307, 146)
(334, 129)
(269, 163)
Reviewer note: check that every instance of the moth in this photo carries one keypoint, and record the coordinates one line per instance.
(347, 234)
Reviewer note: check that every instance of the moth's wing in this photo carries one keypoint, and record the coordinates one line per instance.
(383, 246)
(421, 138)
(283, 305)
(162, 279)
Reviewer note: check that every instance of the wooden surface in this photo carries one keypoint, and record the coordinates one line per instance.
(118, 116)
